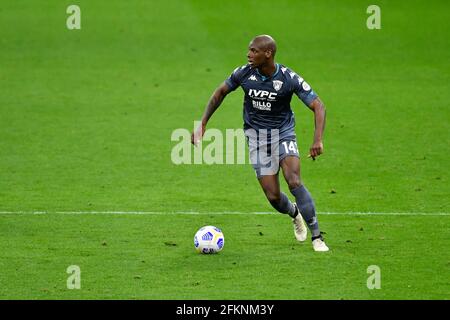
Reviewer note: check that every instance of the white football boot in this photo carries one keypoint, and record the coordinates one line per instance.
(300, 229)
(319, 245)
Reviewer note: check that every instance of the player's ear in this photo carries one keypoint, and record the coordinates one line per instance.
(269, 53)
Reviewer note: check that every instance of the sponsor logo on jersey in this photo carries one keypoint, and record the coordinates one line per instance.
(277, 84)
(283, 69)
(292, 74)
(252, 77)
(261, 94)
(261, 105)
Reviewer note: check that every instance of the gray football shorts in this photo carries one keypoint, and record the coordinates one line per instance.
(267, 150)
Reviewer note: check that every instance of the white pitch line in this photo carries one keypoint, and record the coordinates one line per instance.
(215, 213)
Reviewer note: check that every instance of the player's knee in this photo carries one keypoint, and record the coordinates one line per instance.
(294, 182)
(273, 197)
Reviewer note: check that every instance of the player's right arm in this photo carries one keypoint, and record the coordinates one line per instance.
(231, 84)
(213, 103)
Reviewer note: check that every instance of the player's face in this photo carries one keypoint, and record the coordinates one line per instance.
(256, 56)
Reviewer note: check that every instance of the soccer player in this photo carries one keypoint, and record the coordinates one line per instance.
(269, 128)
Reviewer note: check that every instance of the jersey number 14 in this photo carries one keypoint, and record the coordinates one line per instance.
(291, 147)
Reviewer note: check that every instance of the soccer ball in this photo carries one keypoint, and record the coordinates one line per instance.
(209, 239)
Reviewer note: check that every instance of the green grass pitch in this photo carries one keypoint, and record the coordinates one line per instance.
(86, 118)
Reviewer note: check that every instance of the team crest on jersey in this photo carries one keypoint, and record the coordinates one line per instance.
(306, 86)
(277, 84)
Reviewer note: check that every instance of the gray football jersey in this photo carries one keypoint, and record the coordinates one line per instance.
(267, 100)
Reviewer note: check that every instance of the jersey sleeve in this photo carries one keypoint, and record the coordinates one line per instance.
(303, 90)
(235, 79)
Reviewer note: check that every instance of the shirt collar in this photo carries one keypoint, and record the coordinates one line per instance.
(264, 78)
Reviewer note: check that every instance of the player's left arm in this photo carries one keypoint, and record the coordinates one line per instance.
(319, 120)
(304, 91)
